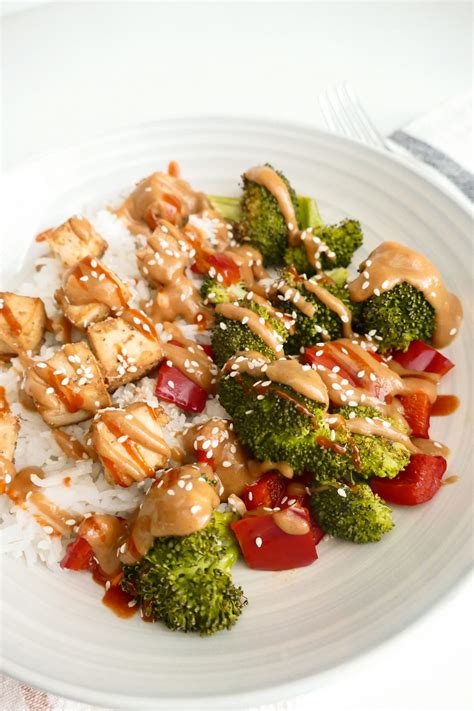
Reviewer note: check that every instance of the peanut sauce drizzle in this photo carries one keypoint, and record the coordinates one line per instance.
(23, 492)
(285, 371)
(179, 298)
(269, 179)
(228, 458)
(391, 264)
(130, 432)
(445, 405)
(69, 395)
(160, 195)
(89, 281)
(193, 362)
(72, 447)
(168, 252)
(104, 534)
(7, 470)
(188, 509)
(291, 522)
(333, 303)
(250, 263)
(248, 317)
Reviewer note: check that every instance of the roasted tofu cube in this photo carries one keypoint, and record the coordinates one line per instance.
(126, 347)
(9, 428)
(74, 240)
(68, 387)
(130, 442)
(90, 293)
(22, 323)
(83, 315)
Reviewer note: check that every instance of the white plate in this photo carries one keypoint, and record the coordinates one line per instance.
(298, 624)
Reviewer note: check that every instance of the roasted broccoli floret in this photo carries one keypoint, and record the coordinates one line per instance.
(379, 456)
(324, 323)
(342, 240)
(276, 427)
(229, 207)
(229, 336)
(213, 292)
(354, 512)
(185, 582)
(398, 316)
(261, 222)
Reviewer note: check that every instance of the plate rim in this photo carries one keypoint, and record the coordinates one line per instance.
(305, 683)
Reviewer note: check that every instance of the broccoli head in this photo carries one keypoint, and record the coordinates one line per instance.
(379, 456)
(213, 292)
(399, 316)
(184, 581)
(324, 322)
(354, 513)
(230, 336)
(342, 240)
(261, 222)
(284, 426)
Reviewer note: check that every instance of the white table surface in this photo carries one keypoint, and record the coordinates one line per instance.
(72, 69)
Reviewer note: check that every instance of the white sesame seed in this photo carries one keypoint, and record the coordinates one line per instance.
(342, 493)
(385, 284)
(336, 386)
(194, 509)
(365, 285)
(189, 486)
(171, 384)
(453, 331)
(258, 542)
(170, 492)
(49, 391)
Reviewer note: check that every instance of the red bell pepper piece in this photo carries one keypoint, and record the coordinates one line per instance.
(267, 491)
(424, 358)
(417, 483)
(417, 410)
(217, 264)
(78, 556)
(173, 386)
(265, 546)
(316, 355)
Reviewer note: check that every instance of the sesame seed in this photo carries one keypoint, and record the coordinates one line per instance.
(48, 529)
(342, 493)
(171, 384)
(453, 331)
(365, 285)
(336, 386)
(258, 542)
(189, 486)
(385, 284)
(70, 522)
(170, 492)
(122, 438)
(49, 391)
(361, 373)
(194, 509)
(41, 365)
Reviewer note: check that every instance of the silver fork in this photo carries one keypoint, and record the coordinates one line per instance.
(345, 115)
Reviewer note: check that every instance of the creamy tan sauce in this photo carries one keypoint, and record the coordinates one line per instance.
(104, 533)
(391, 264)
(296, 298)
(23, 492)
(185, 510)
(450, 480)
(291, 522)
(160, 195)
(333, 303)
(193, 362)
(256, 324)
(180, 298)
(166, 254)
(433, 448)
(314, 247)
(71, 446)
(285, 371)
(89, 281)
(227, 456)
(269, 179)
(251, 267)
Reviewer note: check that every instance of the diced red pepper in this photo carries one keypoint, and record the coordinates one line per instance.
(265, 546)
(267, 491)
(417, 410)
(78, 556)
(417, 483)
(316, 355)
(173, 386)
(215, 264)
(424, 358)
(207, 348)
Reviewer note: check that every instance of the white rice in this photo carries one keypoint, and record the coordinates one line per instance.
(89, 492)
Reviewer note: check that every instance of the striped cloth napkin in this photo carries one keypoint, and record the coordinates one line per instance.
(442, 140)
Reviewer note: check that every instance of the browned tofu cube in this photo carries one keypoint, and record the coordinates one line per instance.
(22, 323)
(74, 240)
(68, 387)
(9, 428)
(91, 292)
(126, 347)
(83, 315)
(130, 443)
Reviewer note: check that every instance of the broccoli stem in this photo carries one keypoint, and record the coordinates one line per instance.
(229, 207)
